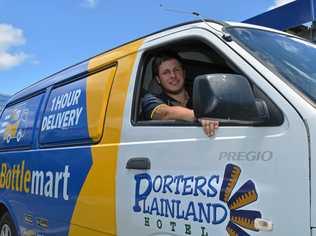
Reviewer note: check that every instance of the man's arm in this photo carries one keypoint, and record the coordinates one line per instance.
(155, 109)
(165, 112)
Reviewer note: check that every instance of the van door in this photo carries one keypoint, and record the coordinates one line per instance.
(174, 180)
(312, 130)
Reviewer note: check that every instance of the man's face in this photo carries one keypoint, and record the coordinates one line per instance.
(171, 76)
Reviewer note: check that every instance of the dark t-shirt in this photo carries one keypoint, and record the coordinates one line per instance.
(150, 102)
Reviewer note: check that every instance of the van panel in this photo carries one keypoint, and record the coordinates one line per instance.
(113, 55)
(98, 194)
(171, 198)
(43, 184)
(312, 130)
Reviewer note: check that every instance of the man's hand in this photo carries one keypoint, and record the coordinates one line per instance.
(209, 126)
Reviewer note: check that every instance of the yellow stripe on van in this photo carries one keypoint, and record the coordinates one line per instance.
(98, 90)
(96, 205)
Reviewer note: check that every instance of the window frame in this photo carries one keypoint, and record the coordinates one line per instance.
(138, 87)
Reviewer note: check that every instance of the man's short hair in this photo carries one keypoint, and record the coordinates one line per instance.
(162, 57)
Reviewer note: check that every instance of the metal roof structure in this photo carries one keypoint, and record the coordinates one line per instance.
(292, 18)
(287, 16)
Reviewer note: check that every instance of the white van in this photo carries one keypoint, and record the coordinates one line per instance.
(88, 162)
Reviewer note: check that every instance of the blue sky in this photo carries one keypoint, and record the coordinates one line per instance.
(39, 38)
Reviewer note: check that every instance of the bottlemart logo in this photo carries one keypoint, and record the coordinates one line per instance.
(50, 184)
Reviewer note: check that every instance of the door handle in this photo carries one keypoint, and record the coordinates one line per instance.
(263, 224)
(138, 163)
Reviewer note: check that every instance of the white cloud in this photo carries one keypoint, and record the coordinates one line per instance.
(89, 3)
(11, 37)
(9, 60)
(278, 3)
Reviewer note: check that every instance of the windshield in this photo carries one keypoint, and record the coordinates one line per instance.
(292, 59)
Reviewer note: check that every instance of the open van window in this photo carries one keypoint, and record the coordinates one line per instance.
(197, 58)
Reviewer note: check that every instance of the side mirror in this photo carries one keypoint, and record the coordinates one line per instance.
(227, 96)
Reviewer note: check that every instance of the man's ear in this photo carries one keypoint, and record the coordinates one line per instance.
(158, 80)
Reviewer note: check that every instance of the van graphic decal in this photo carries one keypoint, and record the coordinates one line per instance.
(244, 196)
(13, 127)
(176, 203)
(17, 123)
(65, 116)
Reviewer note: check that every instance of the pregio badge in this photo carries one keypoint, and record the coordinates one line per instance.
(184, 204)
